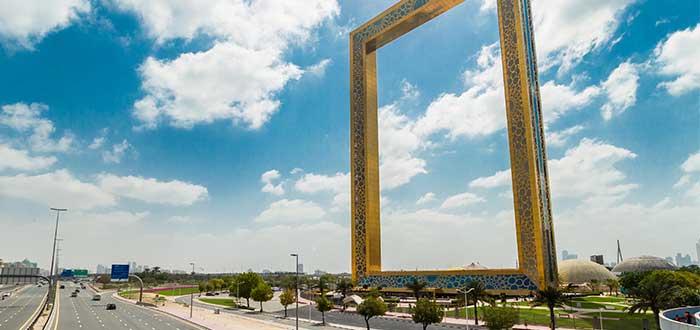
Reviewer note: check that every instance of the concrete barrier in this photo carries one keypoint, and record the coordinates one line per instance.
(667, 322)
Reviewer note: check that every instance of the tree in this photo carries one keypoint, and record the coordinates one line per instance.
(344, 286)
(655, 292)
(478, 294)
(551, 297)
(261, 293)
(202, 287)
(287, 298)
(325, 281)
(613, 285)
(371, 307)
(245, 283)
(323, 305)
(500, 318)
(416, 286)
(427, 312)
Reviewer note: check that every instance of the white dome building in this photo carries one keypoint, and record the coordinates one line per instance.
(642, 264)
(583, 271)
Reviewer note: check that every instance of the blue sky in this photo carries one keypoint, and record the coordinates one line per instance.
(217, 131)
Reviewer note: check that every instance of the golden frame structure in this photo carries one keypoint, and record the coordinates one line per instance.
(537, 266)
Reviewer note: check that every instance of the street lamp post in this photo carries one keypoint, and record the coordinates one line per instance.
(53, 252)
(296, 289)
(466, 306)
(192, 291)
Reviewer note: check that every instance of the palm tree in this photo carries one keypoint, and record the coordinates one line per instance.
(552, 297)
(655, 292)
(416, 287)
(479, 294)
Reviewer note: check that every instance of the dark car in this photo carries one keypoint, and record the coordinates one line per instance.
(96, 297)
(209, 294)
(111, 306)
(63, 286)
(74, 294)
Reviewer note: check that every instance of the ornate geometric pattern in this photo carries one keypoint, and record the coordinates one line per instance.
(536, 250)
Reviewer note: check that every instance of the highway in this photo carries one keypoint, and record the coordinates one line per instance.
(18, 310)
(82, 312)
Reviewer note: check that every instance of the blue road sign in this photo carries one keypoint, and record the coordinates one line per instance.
(67, 273)
(120, 273)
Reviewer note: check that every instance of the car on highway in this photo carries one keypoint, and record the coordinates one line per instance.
(111, 307)
(209, 294)
(73, 294)
(6, 295)
(96, 297)
(77, 290)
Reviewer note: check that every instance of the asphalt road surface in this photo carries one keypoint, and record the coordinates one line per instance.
(82, 312)
(16, 311)
(336, 317)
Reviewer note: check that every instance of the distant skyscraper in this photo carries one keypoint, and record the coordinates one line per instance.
(300, 268)
(683, 260)
(132, 267)
(598, 258)
(670, 260)
(697, 248)
(565, 255)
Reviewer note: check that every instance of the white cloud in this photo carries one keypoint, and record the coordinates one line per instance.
(559, 138)
(56, 189)
(478, 111)
(115, 217)
(179, 219)
(11, 158)
(409, 91)
(26, 119)
(565, 31)
(621, 89)
(427, 198)
(267, 179)
(398, 144)
(25, 23)
(238, 78)
(500, 179)
(296, 170)
(319, 69)
(692, 164)
(587, 171)
(118, 151)
(97, 143)
(338, 184)
(150, 190)
(295, 210)
(677, 57)
(558, 100)
(461, 200)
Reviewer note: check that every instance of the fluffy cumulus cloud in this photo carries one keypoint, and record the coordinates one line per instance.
(677, 58)
(621, 89)
(565, 31)
(427, 198)
(237, 78)
(588, 171)
(150, 190)
(559, 138)
(24, 23)
(56, 189)
(691, 177)
(295, 210)
(461, 200)
(558, 100)
(398, 145)
(500, 179)
(268, 178)
(115, 155)
(338, 184)
(26, 119)
(478, 111)
(14, 159)
(319, 69)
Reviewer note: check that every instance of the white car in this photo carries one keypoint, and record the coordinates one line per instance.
(6, 295)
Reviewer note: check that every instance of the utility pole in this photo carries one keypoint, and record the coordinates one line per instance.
(296, 270)
(53, 252)
(191, 290)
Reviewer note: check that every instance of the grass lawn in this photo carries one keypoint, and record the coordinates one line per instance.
(541, 317)
(178, 292)
(222, 302)
(604, 299)
(592, 305)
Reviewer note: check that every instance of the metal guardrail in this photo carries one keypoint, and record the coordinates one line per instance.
(52, 315)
